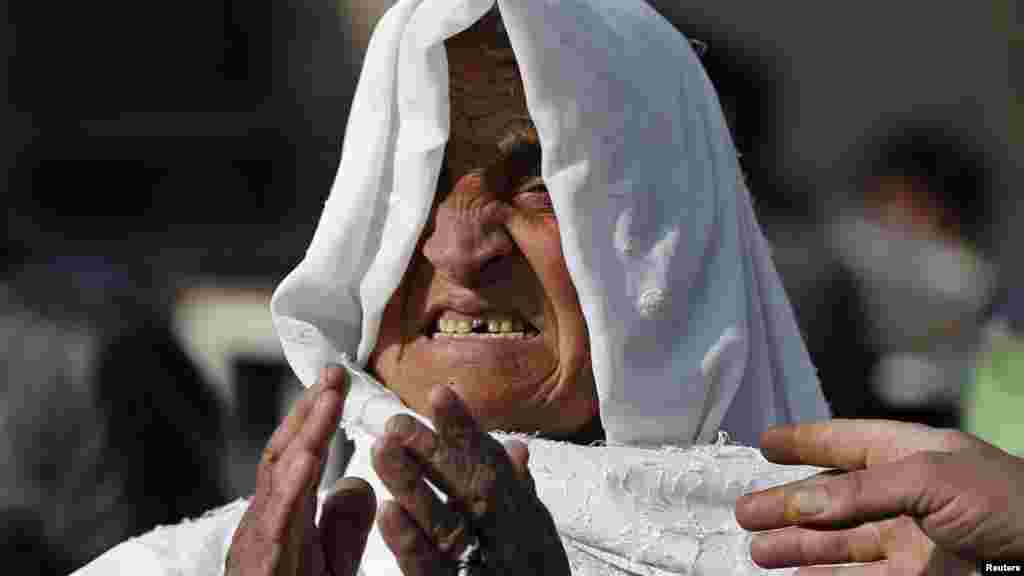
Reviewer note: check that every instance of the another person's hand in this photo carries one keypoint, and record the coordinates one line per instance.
(277, 535)
(906, 499)
(490, 494)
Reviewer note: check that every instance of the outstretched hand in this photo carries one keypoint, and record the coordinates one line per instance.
(277, 535)
(490, 494)
(904, 499)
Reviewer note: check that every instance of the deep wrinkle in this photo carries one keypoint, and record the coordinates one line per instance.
(518, 151)
(493, 246)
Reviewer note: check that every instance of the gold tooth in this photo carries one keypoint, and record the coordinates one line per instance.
(493, 326)
(506, 325)
(463, 326)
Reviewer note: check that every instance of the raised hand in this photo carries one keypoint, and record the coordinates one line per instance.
(490, 494)
(277, 535)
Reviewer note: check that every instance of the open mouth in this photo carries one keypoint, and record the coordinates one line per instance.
(455, 325)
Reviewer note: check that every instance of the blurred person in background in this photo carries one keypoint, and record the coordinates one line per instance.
(106, 428)
(994, 400)
(915, 245)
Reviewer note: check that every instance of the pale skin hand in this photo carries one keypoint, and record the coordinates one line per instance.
(484, 481)
(277, 535)
(905, 499)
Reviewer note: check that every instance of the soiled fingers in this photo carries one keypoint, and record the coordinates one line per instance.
(295, 453)
(275, 533)
(311, 422)
(851, 444)
(843, 500)
(461, 460)
(423, 531)
(345, 523)
(489, 491)
(406, 479)
(803, 547)
(416, 553)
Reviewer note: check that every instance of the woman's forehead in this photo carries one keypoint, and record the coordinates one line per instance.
(486, 93)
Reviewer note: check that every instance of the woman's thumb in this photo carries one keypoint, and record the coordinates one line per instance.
(345, 523)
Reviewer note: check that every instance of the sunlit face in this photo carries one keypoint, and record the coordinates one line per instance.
(487, 303)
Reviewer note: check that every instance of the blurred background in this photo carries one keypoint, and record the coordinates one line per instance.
(165, 166)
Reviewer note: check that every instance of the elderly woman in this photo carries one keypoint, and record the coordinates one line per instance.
(538, 227)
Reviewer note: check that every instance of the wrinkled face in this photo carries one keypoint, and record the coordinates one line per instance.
(487, 303)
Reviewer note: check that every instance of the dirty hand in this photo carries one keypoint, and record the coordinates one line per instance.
(905, 499)
(490, 497)
(277, 535)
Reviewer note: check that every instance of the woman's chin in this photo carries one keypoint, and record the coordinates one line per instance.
(537, 416)
(508, 383)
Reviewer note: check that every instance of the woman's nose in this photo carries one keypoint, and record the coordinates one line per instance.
(466, 244)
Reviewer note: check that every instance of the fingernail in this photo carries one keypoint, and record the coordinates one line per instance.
(757, 546)
(809, 501)
(444, 393)
(334, 376)
(350, 484)
(400, 425)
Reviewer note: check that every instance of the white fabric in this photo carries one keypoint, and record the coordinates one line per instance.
(192, 548)
(621, 511)
(625, 511)
(690, 328)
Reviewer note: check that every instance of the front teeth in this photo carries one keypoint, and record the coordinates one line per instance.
(494, 326)
(455, 326)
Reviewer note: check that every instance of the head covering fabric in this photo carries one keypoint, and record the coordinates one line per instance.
(690, 329)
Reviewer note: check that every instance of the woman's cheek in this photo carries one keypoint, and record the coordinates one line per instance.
(553, 269)
(541, 244)
(539, 239)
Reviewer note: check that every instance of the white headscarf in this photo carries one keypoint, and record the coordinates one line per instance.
(690, 330)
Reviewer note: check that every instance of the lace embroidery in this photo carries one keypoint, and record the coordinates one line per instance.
(653, 511)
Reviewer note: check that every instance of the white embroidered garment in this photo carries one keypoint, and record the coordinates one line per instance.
(621, 511)
(624, 511)
(690, 330)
